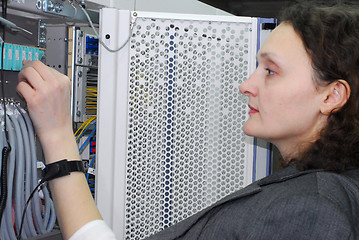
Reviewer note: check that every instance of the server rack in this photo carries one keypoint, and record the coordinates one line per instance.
(50, 23)
(169, 116)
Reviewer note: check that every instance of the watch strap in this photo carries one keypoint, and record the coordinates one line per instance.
(61, 168)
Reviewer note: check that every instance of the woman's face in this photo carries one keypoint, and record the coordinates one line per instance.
(284, 102)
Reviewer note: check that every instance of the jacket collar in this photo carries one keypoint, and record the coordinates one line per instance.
(285, 174)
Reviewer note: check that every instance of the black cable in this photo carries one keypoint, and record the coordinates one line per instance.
(4, 7)
(5, 154)
(18, 237)
(6, 150)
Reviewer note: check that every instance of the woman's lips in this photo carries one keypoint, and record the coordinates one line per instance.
(252, 110)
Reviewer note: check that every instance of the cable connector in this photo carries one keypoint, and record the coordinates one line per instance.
(83, 4)
(12, 25)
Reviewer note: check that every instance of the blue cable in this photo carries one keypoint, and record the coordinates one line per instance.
(88, 138)
(83, 145)
(79, 137)
(91, 163)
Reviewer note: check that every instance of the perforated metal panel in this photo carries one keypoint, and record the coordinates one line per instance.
(185, 148)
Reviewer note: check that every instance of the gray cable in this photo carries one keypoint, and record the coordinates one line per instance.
(28, 173)
(2, 233)
(35, 205)
(11, 171)
(100, 39)
(19, 178)
(4, 225)
(27, 160)
(49, 209)
(22, 162)
(12, 25)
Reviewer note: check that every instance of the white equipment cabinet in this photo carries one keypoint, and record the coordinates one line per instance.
(170, 116)
(168, 6)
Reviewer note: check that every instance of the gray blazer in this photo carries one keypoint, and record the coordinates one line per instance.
(289, 204)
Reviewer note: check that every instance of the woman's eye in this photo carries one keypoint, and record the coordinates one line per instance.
(269, 72)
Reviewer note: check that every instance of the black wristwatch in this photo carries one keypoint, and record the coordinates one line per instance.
(61, 168)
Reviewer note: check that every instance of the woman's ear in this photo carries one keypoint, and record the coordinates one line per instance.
(336, 96)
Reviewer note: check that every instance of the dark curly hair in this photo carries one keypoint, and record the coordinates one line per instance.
(331, 38)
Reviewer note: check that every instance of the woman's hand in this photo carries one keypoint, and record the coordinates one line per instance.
(48, 94)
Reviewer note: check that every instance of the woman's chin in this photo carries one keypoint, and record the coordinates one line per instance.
(248, 130)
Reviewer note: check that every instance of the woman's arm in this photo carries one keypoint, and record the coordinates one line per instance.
(48, 94)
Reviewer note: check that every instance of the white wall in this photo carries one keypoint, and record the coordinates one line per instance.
(175, 6)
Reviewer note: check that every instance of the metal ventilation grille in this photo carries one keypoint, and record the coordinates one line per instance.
(186, 148)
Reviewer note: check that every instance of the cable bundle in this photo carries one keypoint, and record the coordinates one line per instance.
(88, 125)
(90, 122)
(22, 178)
(91, 100)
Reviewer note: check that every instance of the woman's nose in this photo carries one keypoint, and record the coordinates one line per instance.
(247, 87)
(243, 87)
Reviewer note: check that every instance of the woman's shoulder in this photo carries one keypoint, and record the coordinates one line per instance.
(331, 185)
(340, 187)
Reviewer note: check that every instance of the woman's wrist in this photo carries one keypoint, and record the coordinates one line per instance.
(59, 145)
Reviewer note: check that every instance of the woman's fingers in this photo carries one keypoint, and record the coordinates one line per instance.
(30, 76)
(46, 73)
(47, 93)
(41, 79)
(25, 90)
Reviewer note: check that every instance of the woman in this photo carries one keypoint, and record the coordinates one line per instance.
(303, 97)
